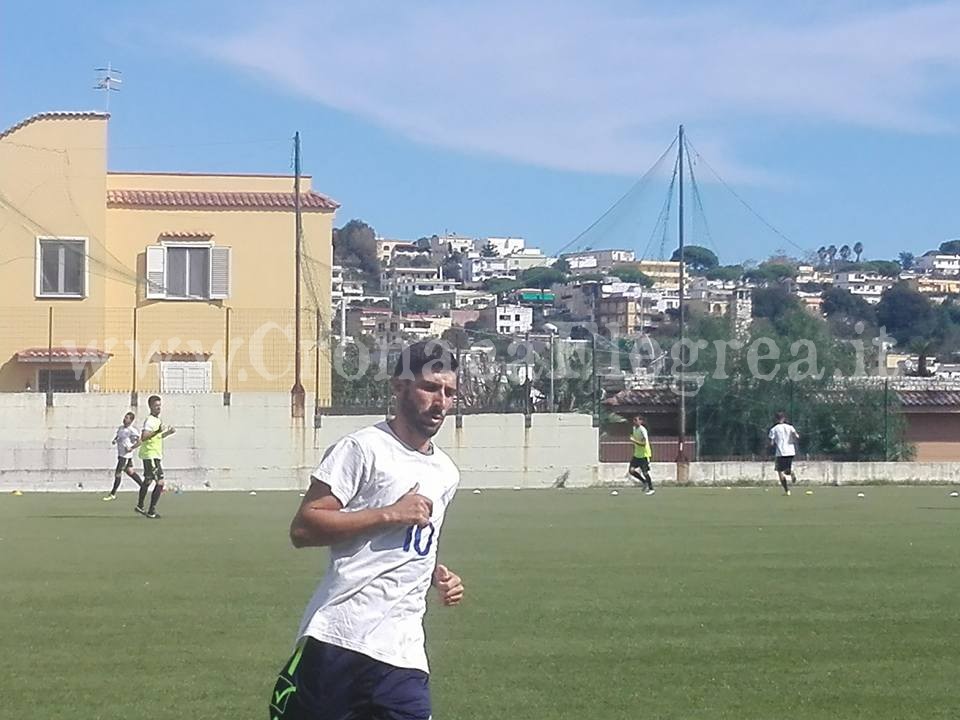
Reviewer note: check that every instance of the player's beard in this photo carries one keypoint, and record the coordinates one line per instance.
(424, 421)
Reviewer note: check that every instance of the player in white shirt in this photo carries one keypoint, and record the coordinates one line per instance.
(378, 500)
(127, 439)
(784, 438)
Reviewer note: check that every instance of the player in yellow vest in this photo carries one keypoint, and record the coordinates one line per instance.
(640, 462)
(151, 452)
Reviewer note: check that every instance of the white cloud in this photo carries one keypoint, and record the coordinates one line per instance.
(599, 87)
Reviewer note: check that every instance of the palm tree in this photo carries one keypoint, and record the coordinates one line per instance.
(858, 249)
(822, 255)
(832, 254)
(845, 253)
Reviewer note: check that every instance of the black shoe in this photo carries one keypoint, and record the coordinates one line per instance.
(140, 510)
(153, 515)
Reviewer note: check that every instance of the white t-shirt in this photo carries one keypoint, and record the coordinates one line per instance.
(125, 438)
(784, 437)
(373, 596)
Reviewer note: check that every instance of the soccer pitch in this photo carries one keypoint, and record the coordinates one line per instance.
(694, 603)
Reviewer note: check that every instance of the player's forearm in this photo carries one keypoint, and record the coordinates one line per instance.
(321, 527)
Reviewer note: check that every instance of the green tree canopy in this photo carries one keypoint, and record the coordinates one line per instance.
(726, 273)
(843, 303)
(542, 277)
(631, 274)
(355, 246)
(699, 259)
(906, 314)
(950, 247)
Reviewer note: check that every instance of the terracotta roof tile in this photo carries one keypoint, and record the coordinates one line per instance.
(655, 397)
(210, 200)
(186, 235)
(929, 398)
(63, 354)
(55, 116)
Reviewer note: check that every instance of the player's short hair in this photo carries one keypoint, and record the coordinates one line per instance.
(130, 415)
(152, 398)
(432, 355)
(781, 416)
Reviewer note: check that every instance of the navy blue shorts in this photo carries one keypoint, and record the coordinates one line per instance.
(326, 682)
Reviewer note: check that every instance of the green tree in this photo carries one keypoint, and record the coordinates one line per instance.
(840, 302)
(630, 274)
(842, 419)
(542, 277)
(906, 314)
(845, 252)
(858, 249)
(770, 273)
(773, 303)
(887, 268)
(950, 247)
(699, 259)
(488, 250)
(501, 285)
(355, 246)
(452, 266)
(727, 273)
(907, 261)
(562, 265)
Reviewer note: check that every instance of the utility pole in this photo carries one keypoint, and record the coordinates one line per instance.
(297, 393)
(683, 469)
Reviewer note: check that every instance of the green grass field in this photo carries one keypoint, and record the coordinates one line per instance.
(695, 603)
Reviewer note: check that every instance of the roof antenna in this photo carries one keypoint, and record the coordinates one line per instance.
(108, 81)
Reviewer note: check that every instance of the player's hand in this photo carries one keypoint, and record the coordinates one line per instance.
(449, 585)
(169, 431)
(412, 509)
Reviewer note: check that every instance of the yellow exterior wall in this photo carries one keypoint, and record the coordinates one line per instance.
(69, 199)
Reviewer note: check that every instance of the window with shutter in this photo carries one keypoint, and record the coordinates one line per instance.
(219, 273)
(156, 271)
(186, 376)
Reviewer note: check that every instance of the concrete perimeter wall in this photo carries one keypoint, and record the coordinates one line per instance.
(254, 444)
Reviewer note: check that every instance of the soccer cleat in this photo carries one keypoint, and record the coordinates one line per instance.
(140, 510)
(649, 491)
(788, 492)
(153, 515)
(108, 498)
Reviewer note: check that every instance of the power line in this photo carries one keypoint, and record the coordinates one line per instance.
(747, 205)
(633, 189)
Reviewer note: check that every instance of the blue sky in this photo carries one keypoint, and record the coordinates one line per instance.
(836, 121)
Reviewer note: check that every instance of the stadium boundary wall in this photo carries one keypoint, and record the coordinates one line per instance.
(254, 444)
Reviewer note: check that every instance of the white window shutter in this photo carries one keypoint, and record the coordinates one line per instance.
(219, 273)
(156, 271)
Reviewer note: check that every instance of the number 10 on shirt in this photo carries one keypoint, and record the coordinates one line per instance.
(415, 539)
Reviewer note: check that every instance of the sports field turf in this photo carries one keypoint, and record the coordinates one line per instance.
(694, 603)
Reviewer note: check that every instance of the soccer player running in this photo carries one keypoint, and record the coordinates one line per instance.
(784, 438)
(640, 462)
(151, 452)
(127, 439)
(378, 500)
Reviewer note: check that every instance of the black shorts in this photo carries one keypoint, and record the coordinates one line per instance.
(785, 464)
(123, 464)
(642, 463)
(152, 470)
(326, 682)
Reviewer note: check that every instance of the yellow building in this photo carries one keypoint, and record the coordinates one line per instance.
(154, 282)
(937, 289)
(664, 273)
